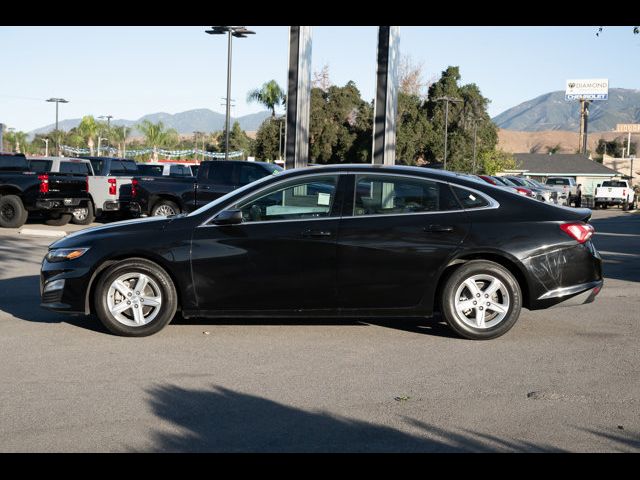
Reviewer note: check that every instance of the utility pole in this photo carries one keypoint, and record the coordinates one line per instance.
(584, 114)
(446, 122)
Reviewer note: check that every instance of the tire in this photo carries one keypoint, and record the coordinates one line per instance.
(57, 220)
(146, 319)
(12, 212)
(625, 206)
(482, 273)
(165, 207)
(85, 218)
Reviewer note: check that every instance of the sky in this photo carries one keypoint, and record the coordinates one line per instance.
(128, 72)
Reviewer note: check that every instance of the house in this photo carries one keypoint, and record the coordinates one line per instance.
(585, 171)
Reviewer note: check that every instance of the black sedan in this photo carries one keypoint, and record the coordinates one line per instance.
(347, 241)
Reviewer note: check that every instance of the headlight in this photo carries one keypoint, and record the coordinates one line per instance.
(62, 254)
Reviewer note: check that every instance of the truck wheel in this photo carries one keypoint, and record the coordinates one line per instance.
(625, 206)
(83, 216)
(165, 207)
(12, 212)
(58, 219)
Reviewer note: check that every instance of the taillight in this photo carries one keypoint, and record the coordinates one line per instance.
(525, 191)
(580, 232)
(44, 183)
(112, 186)
(134, 187)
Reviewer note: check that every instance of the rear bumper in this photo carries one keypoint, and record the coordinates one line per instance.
(609, 201)
(62, 204)
(575, 295)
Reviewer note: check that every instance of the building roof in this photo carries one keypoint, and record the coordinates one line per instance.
(560, 164)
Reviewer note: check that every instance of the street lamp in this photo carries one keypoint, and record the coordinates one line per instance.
(57, 101)
(46, 146)
(108, 117)
(99, 143)
(239, 32)
(446, 122)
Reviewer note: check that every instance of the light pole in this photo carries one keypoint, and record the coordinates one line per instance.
(46, 146)
(446, 122)
(108, 117)
(57, 101)
(99, 143)
(239, 32)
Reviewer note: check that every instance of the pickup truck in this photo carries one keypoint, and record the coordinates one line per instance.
(565, 186)
(615, 192)
(174, 195)
(23, 191)
(110, 186)
(70, 166)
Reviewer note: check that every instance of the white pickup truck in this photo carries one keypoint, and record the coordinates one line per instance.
(615, 192)
(565, 186)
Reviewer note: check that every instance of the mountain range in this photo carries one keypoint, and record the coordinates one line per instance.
(546, 112)
(201, 119)
(552, 112)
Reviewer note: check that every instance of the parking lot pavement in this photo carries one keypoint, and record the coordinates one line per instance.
(561, 379)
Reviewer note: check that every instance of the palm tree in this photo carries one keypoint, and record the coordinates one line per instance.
(156, 136)
(269, 95)
(88, 129)
(120, 133)
(21, 139)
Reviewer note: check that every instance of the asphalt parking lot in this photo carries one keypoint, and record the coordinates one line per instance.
(560, 380)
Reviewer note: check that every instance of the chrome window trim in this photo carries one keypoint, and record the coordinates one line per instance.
(493, 204)
(314, 174)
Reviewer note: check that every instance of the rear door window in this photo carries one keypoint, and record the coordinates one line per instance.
(76, 168)
(40, 166)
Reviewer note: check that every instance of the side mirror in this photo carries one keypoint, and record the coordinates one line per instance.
(228, 217)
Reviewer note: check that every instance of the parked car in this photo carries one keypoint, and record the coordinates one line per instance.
(615, 192)
(70, 166)
(565, 186)
(501, 183)
(333, 241)
(110, 186)
(170, 196)
(56, 195)
(542, 193)
(164, 169)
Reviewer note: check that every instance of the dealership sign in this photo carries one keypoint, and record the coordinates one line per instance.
(589, 89)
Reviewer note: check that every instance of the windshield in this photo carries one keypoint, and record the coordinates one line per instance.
(613, 183)
(224, 198)
(509, 182)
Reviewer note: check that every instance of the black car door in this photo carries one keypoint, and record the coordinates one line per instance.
(218, 179)
(395, 236)
(281, 258)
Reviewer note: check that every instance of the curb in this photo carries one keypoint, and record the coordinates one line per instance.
(42, 233)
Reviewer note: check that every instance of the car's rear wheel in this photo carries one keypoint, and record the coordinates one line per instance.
(481, 300)
(12, 212)
(166, 208)
(83, 216)
(135, 298)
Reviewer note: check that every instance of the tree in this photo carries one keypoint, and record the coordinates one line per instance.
(614, 147)
(238, 140)
(495, 161)
(156, 135)
(120, 133)
(88, 129)
(321, 79)
(410, 76)
(553, 150)
(266, 146)
(413, 129)
(269, 95)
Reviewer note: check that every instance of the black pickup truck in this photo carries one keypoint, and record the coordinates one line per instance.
(173, 195)
(22, 191)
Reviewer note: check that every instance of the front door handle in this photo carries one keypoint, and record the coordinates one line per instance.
(438, 228)
(315, 233)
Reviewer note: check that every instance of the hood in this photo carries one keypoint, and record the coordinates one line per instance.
(81, 237)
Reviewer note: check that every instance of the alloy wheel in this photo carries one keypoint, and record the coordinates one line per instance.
(482, 301)
(134, 299)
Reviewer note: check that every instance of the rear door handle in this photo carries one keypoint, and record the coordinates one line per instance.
(439, 228)
(205, 187)
(315, 233)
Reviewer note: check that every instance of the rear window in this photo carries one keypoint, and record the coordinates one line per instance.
(40, 166)
(76, 168)
(150, 170)
(613, 183)
(470, 199)
(14, 162)
(558, 181)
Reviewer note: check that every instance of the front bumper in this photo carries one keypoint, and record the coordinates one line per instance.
(72, 297)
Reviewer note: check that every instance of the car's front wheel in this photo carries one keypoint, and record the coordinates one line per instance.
(481, 300)
(135, 298)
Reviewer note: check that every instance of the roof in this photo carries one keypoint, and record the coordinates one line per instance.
(560, 164)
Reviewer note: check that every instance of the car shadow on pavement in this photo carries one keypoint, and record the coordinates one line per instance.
(20, 297)
(218, 419)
